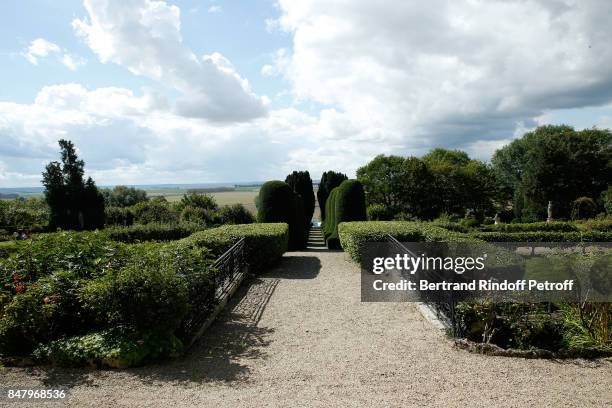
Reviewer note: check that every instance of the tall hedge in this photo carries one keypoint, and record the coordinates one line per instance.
(345, 203)
(329, 181)
(301, 184)
(278, 203)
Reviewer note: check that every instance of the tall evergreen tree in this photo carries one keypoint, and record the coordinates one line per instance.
(74, 203)
(301, 184)
(329, 181)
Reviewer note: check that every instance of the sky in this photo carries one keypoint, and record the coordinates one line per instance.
(199, 91)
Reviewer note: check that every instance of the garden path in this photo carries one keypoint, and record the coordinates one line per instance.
(299, 336)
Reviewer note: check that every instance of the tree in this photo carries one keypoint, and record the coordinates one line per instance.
(399, 184)
(329, 181)
(554, 163)
(301, 183)
(123, 196)
(198, 200)
(461, 184)
(73, 202)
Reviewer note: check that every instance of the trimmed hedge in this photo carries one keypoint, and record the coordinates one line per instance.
(346, 204)
(353, 235)
(531, 227)
(278, 203)
(8, 248)
(153, 232)
(544, 236)
(596, 225)
(266, 243)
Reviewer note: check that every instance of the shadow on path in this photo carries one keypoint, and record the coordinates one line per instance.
(296, 267)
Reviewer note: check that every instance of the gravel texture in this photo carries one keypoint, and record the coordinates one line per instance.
(299, 336)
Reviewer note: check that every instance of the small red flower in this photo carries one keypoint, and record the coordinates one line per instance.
(16, 277)
(20, 288)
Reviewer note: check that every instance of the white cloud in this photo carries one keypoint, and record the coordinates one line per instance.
(145, 37)
(72, 62)
(215, 8)
(447, 73)
(39, 48)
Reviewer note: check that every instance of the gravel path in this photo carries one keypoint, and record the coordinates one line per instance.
(299, 336)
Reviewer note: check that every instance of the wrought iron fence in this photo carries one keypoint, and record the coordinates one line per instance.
(442, 303)
(229, 269)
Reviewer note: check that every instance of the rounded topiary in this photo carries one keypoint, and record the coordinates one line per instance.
(278, 203)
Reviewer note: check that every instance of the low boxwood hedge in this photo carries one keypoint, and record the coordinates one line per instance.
(556, 226)
(544, 236)
(266, 243)
(153, 232)
(353, 235)
(596, 225)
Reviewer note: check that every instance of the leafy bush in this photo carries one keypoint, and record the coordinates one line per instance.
(114, 348)
(118, 216)
(531, 227)
(200, 216)
(155, 210)
(278, 203)
(69, 284)
(379, 212)
(348, 205)
(235, 214)
(265, 243)
(583, 208)
(198, 200)
(153, 232)
(32, 214)
(146, 294)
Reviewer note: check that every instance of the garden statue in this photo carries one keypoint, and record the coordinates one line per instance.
(496, 219)
(550, 218)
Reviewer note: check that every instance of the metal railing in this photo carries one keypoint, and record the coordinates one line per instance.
(229, 269)
(442, 304)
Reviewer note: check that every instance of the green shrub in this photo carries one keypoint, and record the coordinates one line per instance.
(583, 208)
(118, 216)
(153, 232)
(531, 227)
(265, 243)
(348, 205)
(155, 210)
(329, 222)
(452, 226)
(544, 236)
(278, 203)
(200, 216)
(198, 200)
(114, 348)
(7, 248)
(146, 294)
(235, 214)
(24, 323)
(379, 212)
(604, 225)
(354, 235)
